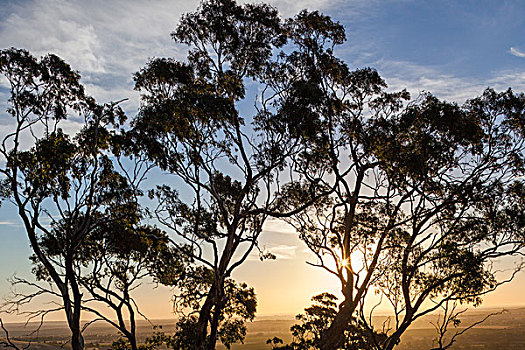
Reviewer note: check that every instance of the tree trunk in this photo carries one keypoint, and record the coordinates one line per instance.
(334, 336)
(214, 326)
(215, 300)
(204, 317)
(132, 337)
(73, 320)
(132, 342)
(394, 339)
(77, 340)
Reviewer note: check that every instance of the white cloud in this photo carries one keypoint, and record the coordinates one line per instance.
(283, 251)
(508, 78)
(288, 8)
(278, 226)
(108, 41)
(54, 28)
(417, 78)
(9, 223)
(105, 41)
(516, 52)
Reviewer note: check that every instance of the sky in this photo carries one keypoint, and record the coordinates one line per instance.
(454, 49)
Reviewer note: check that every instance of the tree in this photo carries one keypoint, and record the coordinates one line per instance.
(316, 320)
(451, 318)
(227, 163)
(80, 213)
(240, 305)
(426, 194)
(465, 215)
(42, 93)
(114, 259)
(7, 342)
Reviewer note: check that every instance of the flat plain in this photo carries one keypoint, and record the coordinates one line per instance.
(503, 331)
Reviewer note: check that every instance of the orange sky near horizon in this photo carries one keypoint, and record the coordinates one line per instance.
(284, 286)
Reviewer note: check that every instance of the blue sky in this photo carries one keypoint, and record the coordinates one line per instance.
(469, 39)
(453, 49)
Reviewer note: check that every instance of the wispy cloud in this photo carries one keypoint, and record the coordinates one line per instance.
(108, 41)
(9, 223)
(289, 8)
(283, 251)
(418, 78)
(278, 226)
(516, 52)
(105, 41)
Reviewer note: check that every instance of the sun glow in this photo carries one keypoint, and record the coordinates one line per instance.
(355, 263)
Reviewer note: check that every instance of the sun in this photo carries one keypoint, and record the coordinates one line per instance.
(345, 262)
(355, 263)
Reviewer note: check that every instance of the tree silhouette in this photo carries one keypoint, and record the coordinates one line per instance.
(414, 199)
(80, 213)
(426, 193)
(42, 92)
(464, 217)
(191, 126)
(8, 342)
(316, 320)
(450, 317)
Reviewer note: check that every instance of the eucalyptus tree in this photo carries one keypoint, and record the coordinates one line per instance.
(426, 194)
(449, 325)
(42, 93)
(226, 158)
(79, 211)
(466, 212)
(118, 255)
(316, 319)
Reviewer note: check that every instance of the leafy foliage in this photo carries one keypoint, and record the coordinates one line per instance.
(415, 187)
(79, 210)
(412, 199)
(316, 320)
(190, 125)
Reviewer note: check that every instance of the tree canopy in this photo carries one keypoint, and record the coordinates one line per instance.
(79, 206)
(426, 194)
